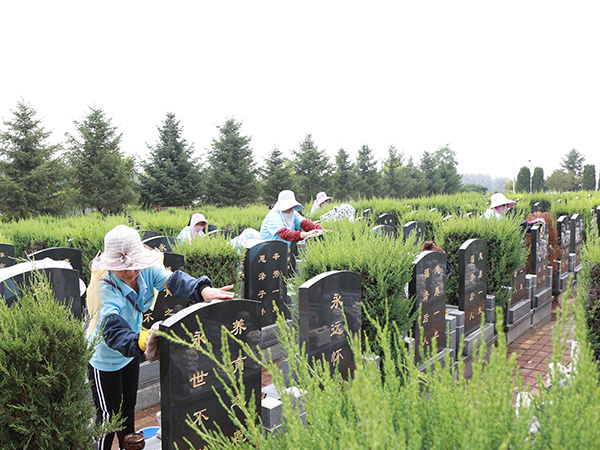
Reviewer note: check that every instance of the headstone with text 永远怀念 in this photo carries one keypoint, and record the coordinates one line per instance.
(161, 243)
(68, 254)
(166, 304)
(388, 219)
(428, 287)
(472, 296)
(64, 282)
(330, 308)
(190, 389)
(265, 269)
(538, 258)
(576, 242)
(415, 227)
(7, 255)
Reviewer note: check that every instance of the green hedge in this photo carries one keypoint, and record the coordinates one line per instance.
(506, 252)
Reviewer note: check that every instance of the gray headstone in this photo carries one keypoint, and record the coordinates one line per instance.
(188, 379)
(472, 282)
(563, 225)
(428, 286)
(265, 269)
(327, 301)
(7, 255)
(414, 226)
(162, 243)
(227, 234)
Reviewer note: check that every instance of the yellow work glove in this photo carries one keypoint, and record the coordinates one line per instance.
(143, 339)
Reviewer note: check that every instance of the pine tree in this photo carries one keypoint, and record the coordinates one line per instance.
(447, 170)
(101, 175)
(343, 178)
(312, 170)
(171, 177)
(588, 179)
(277, 176)
(573, 162)
(231, 174)
(391, 174)
(433, 184)
(30, 178)
(523, 180)
(537, 181)
(367, 183)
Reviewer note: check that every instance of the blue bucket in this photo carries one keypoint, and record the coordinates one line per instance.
(149, 432)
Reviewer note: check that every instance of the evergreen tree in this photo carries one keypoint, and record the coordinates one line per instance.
(413, 180)
(30, 178)
(101, 175)
(561, 181)
(367, 183)
(433, 184)
(447, 170)
(537, 181)
(391, 178)
(573, 162)
(171, 177)
(312, 170)
(523, 180)
(588, 179)
(277, 176)
(344, 179)
(231, 174)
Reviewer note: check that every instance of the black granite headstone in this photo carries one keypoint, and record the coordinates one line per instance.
(322, 326)
(147, 234)
(67, 254)
(415, 226)
(265, 269)
(188, 379)
(537, 207)
(472, 282)
(538, 256)
(163, 243)
(166, 304)
(596, 221)
(388, 219)
(563, 226)
(517, 285)
(384, 230)
(576, 237)
(7, 255)
(227, 234)
(64, 282)
(428, 286)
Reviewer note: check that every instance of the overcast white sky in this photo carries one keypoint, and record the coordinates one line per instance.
(501, 83)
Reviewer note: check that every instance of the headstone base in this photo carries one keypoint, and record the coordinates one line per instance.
(542, 315)
(516, 329)
(474, 340)
(429, 364)
(468, 360)
(149, 385)
(269, 342)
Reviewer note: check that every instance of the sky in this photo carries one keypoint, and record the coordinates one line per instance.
(503, 84)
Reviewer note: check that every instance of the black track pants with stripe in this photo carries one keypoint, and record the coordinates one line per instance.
(114, 392)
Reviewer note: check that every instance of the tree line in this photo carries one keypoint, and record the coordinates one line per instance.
(89, 170)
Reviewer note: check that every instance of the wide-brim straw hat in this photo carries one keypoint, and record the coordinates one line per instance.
(322, 197)
(124, 250)
(499, 199)
(287, 200)
(197, 218)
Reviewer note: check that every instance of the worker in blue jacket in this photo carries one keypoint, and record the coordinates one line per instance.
(124, 279)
